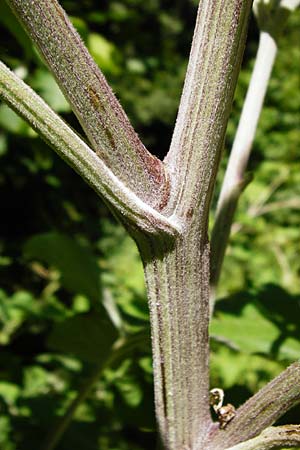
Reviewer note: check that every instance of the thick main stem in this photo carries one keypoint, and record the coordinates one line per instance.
(178, 286)
(177, 273)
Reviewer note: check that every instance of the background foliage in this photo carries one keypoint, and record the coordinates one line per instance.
(72, 296)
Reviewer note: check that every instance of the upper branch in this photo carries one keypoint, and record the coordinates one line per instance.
(261, 410)
(78, 155)
(236, 178)
(271, 17)
(213, 68)
(92, 100)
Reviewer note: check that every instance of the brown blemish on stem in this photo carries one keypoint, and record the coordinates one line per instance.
(94, 97)
(165, 194)
(190, 213)
(59, 11)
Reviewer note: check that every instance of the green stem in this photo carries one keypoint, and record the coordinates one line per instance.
(56, 434)
(100, 114)
(272, 17)
(122, 348)
(235, 178)
(79, 156)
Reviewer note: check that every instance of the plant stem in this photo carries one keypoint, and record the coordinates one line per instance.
(122, 347)
(63, 423)
(205, 104)
(177, 273)
(177, 283)
(79, 156)
(92, 100)
(235, 179)
(272, 17)
(261, 410)
(273, 438)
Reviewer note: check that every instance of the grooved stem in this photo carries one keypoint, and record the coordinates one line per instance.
(273, 438)
(80, 156)
(178, 286)
(92, 100)
(206, 101)
(261, 410)
(235, 179)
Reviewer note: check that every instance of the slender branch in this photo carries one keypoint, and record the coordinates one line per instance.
(289, 203)
(261, 410)
(122, 348)
(273, 438)
(92, 100)
(235, 179)
(63, 423)
(205, 105)
(268, 192)
(271, 16)
(78, 155)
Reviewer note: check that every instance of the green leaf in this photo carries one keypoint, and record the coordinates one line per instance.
(265, 322)
(104, 52)
(11, 122)
(44, 83)
(77, 265)
(88, 336)
(249, 331)
(14, 310)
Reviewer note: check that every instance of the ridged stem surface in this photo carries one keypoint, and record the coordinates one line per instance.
(235, 176)
(273, 438)
(178, 291)
(80, 156)
(92, 100)
(260, 411)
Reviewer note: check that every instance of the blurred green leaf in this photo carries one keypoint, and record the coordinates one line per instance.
(44, 83)
(88, 336)
(13, 123)
(77, 265)
(8, 19)
(104, 53)
(265, 322)
(14, 310)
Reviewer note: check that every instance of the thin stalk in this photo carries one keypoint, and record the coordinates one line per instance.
(63, 423)
(121, 349)
(272, 17)
(235, 178)
(260, 411)
(92, 100)
(69, 146)
(273, 438)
